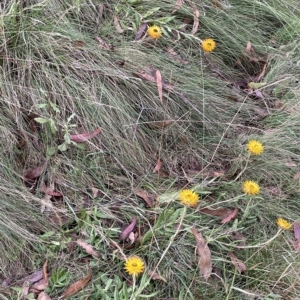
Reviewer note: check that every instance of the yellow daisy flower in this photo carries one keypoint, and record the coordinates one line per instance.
(154, 31)
(134, 266)
(188, 198)
(255, 147)
(284, 224)
(251, 187)
(208, 45)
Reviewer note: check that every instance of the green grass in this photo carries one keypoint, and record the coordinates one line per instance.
(53, 67)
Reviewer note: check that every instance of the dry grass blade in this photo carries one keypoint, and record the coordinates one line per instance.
(88, 248)
(159, 85)
(297, 231)
(196, 21)
(77, 286)
(220, 212)
(205, 264)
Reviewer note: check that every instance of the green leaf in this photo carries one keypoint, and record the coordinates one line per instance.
(42, 105)
(151, 12)
(79, 145)
(67, 138)
(41, 120)
(51, 151)
(256, 85)
(62, 147)
(71, 117)
(54, 107)
(52, 126)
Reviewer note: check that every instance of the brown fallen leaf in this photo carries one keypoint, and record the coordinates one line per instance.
(196, 21)
(50, 191)
(239, 265)
(25, 290)
(177, 6)
(43, 296)
(230, 216)
(157, 166)
(32, 174)
(103, 44)
(290, 164)
(140, 31)
(43, 283)
(88, 248)
(78, 44)
(77, 286)
(205, 264)
(297, 231)
(144, 195)
(262, 113)
(117, 25)
(159, 85)
(128, 229)
(83, 137)
(220, 212)
(296, 176)
(155, 276)
(161, 124)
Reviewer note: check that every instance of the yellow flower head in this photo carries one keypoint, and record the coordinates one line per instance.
(255, 147)
(208, 45)
(284, 224)
(134, 266)
(154, 31)
(188, 198)
(251, 187)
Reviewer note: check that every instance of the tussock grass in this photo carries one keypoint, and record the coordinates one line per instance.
(52, 66)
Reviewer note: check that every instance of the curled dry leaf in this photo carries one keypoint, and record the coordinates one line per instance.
(230, 216)
(205, 264)
(43, 283)
(144, 195)
(196, 21)
(159, 85)
(77, 286)
(239, 265)
(103, 44)
(128, 229)
(297, 231)
(43, 296)
(140, 32)
(117, 25)
(177, 6)
(290, 164)
(88, 248)
(32, 174)
(50, 191)
(220, 212)
(157, 166)
(83, 137)
(155, 276)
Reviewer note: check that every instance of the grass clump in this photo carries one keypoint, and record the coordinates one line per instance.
(86, 118)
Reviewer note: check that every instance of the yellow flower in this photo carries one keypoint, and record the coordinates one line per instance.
(154, 31)
(284, 224)
(134, 266)
(208, 45)
(188, 198)
(255, 147)
(251, 187)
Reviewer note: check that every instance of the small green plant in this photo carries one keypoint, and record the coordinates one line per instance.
(59, 279)
(54, 125)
